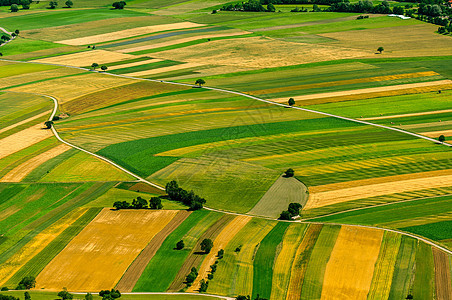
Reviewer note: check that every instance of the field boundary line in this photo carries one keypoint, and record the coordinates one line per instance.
(167, 293)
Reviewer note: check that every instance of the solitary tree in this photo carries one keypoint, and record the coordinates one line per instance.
(180, 245)
(206, 245)
(200, 82)
(48, 124)
(69, 3)
(27, 296)
(289, 173)
(65, 295)
(14, 8)
(94, 66)
(380, 49)
(291, 102)
(16, 31)
(119, 5)
(53, 4)
(104, 68)
(271, 8)
(442, 138)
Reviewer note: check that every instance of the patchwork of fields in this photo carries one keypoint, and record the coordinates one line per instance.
(143, 112)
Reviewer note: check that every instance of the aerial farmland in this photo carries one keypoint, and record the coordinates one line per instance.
(258, 149)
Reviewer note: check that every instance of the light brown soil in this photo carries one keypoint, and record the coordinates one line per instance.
(409, 115)
(86, 58)
(195, 257)
(23, 139)
(22, 170)
(134, 64)
(116, 35)
(133, 273)
(164, 69)
(365, 91)
(435, 134)
(443, 282)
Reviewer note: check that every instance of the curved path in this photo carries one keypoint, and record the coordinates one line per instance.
(255, 98)
(7, 32)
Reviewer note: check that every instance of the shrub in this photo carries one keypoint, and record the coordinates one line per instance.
(180, 245)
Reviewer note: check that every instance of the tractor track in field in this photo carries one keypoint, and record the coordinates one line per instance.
(139, 178)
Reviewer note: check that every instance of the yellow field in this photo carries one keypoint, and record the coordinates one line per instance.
(372, 190)
(345, 82)
(258, 52)
(367, 91)
(164, 69)
(86, 58)
(100, 38)
(46, 113)
(98, 257)
(283, 263)
(180, 41)
(23, 139)
(30, 77)
(68, 88)
(349, 271)
(134, 64)
(220, 242)
(436, 134)
(37, 244)
(22, 170)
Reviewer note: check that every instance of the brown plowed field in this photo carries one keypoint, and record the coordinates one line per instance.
(194, 259)
(133, 273)
(442, 275)
(301, 260)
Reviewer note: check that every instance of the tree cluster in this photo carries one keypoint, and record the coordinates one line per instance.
(292, 211)
(289, 173)
(119, 5)
(190, 199)
(139, 203)
(191, 276)
(26, 283)
(251, 5)
(110, 294)
(206, 245)
(365, 6)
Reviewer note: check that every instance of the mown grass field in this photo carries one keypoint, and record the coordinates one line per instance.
(229, 149)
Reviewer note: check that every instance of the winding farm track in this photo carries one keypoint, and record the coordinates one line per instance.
(7, 32)
(251, 97)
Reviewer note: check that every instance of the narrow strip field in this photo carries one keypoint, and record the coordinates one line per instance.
(443, 280)
(101, 253)
(349, 271)
(134, 271)
(23, 139)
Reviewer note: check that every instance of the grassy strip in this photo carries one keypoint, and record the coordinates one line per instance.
(38, 262)
(315, 272)
(7, 191)
(435, 231)
(43, 80)
(264, 260)
(170, 260)
(19, 68)
(403, 269)
(42, 170)
(384, 267)
(424, 285)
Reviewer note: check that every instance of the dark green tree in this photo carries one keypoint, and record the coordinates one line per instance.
(94, 66)
(285, 215)
(200, 82)
(65, 295)
(53, 4)
(27, 296)
(289, 173)
(206, 245)
(294, 209)
(25, 4)
(14, 8)
(180, 245)
(16, 31)
(380, 49)
(291, 102)
(155, 203)
(104, 68)
(119, 5)
(121, 205)
(203, 286)
(89, 296)
(7, 297)
(69, 3)
(48, 124)
(271, 8)
(442, 138)
(220, 254)
(139, 203)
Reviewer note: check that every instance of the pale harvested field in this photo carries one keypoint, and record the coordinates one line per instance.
(23, 139)
(366, 91)
(25, 121)
(443, 281)
(86, 58)
(379, 189)
(133, 273)
(399, 41)
(349, 271)
(185, 7)
(424, 125)
(371, 181)
(436, 134)
(346, 82)
(164, 69)
(409, 115)
(30, 77)
(220, 242)
(106, 37)
(180, 41)
(278, 197)
(258, 52)
(68, 88)
(22, 170)
(134, 64)
(98, 257)
(37, 244)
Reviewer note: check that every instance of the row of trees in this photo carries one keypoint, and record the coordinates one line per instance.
(190, 199)
(139, 203)
(26, 4)
(251, 5)
(94, 66)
